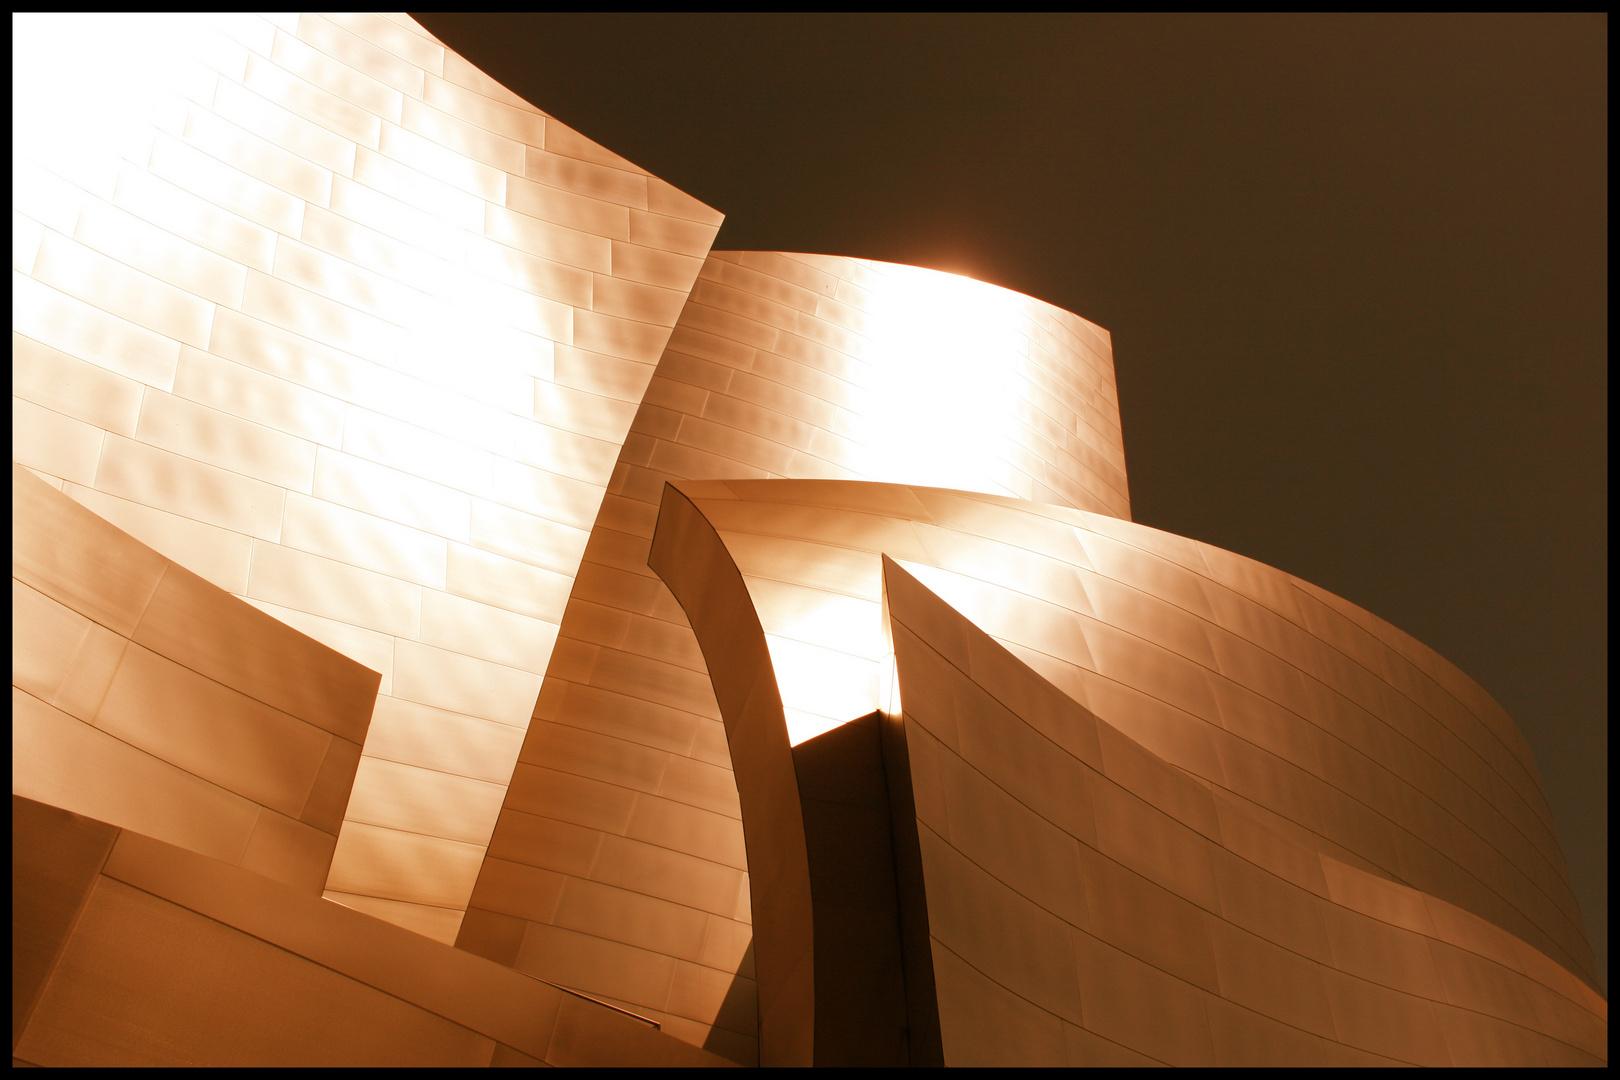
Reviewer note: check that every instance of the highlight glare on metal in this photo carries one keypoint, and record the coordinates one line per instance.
(925, 754)
(320, 311)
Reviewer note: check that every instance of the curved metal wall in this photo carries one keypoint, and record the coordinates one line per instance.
(324, 314)
(1080, 898)
(1341, 732)
(617, 865)
(1089, 904)
(820, 366)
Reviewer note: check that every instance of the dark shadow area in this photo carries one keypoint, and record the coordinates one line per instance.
(927, 1047)
(737, 1014)
(860, 978)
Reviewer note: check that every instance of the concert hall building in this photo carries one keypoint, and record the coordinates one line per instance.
(462, 619)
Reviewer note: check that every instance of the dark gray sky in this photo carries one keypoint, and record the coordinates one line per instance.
(1355, 270)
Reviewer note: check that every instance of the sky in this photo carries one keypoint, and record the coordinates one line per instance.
(1355, 270)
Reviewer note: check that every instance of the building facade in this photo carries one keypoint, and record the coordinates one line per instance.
(502, 629)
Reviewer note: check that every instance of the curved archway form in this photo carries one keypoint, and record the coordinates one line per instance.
(688, 554)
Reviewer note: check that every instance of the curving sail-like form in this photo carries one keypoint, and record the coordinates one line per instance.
(323, 313)
(737, 656)
(1140, 800)
(618, 863)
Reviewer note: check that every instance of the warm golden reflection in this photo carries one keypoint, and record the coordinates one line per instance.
(364, 387)
(315, 308)
(88, 88)
(1164, 821)
(946, 356)
(780, 365)
(147, 698)
(822, 687)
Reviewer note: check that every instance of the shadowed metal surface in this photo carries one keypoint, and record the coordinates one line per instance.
(1090, 904)
(146, 697)
(138, 952)
(1337, 728)
(1085, 901)
(690, 559)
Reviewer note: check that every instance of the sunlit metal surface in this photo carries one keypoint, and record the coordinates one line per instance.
(323, 313)
(804, 366)
(147, 698)
(1096, 886)
(1087, 903)
(1343, 732)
